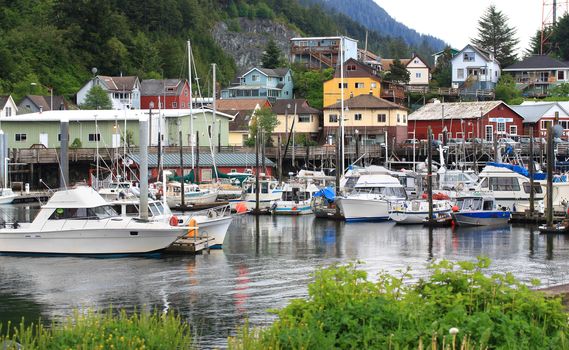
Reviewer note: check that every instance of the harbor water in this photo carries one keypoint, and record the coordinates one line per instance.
(265, 263)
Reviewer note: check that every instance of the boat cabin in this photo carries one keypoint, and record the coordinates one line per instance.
(475, 203)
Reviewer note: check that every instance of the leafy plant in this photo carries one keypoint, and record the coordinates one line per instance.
(76, 143)
(97, 98)
(457, 307)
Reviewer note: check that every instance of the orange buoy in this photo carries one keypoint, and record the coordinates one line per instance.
(241, 208)
(455, 208)
(174, 221)
(193, 228)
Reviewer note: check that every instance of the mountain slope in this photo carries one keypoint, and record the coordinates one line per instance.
(374, 17)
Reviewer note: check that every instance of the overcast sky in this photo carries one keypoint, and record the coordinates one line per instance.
(456, 21)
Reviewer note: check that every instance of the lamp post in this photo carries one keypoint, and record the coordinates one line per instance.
(50, 94)
(357, 134)
(150, 106)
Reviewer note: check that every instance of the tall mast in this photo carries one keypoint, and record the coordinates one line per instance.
(342, 103)
(191, 105)
(213, 128)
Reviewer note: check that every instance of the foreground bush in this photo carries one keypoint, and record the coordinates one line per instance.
(345, 310)
(102, 331)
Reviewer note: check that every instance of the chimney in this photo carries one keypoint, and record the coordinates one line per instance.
(41, 109)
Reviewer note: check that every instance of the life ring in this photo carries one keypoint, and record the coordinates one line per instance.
(193, 228)
(173, 221)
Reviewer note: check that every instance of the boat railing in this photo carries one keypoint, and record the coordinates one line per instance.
(215, 212)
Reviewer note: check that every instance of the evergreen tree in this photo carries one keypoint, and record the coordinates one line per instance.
(97, 98)
(496, 36)
(559, 39)
(272, 56)
(398, 73)
(442, 74)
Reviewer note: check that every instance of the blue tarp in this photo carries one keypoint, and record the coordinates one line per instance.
(519, 169)
(326, 192)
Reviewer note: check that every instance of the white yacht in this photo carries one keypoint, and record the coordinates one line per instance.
(192, 194)
(295, 200)
(7, 195)
(372, 197)
(417, 210)
(509, 185)
(116, 190)
(270, 192)
(80, 221)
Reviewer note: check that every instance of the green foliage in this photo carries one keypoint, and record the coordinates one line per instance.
(272, 56)
(304, 140)
(496, 36)
(97, 98)
(76, 143)
(560, 38)
(398, 73)
(442, 74)
(506, 90)
(103, 331)
(308, 84)
(345, 310)
(265, 120)
(561, 90)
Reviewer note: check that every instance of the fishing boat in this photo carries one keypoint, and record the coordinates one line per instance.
(417, 210)
(115, 190)
(479, 210)
(270, 191)
(324, 206)
(7, 196)
(80, 221)
(372, 197)
(192, 194)
(295, 199)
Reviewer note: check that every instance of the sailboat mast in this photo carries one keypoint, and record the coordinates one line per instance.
(342, 104)
(191, 140)
(213, 128)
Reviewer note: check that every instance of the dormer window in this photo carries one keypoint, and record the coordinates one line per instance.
(170, 89)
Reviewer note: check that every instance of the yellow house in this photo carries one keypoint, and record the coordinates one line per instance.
(305, 118)
(359, 79)
(369, 116)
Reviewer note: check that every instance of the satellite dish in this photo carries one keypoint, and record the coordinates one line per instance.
(557, 130)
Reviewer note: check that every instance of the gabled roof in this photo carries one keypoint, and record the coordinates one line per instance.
(118, 84)
(362, 70)
(388, 62)
(221, 159)
(161, 87)
(3, 101)
(533, 113)
(242, 109)
(45, 102)
(425, 62)
(454, 110)
(537, 62)
(483, 53)
(276, 72)
(452, 52)
(366, 102)
(302, 107)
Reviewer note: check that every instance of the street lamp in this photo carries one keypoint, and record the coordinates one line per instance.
(50, 93)
(150, 106)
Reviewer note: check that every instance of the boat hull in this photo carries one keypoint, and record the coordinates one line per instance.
(291, 208)
(208, 198)
(356, 209)
(7, 199)
(90, 241)
(414, 218)
(485, 218)
(216, 228)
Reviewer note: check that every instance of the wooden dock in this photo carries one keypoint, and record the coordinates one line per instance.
(188, 245)
(537, 218)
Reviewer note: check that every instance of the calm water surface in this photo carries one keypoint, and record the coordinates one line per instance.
(264, 264)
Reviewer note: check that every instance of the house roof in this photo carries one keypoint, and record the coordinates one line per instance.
(362, 71)
(455, 110)
(276, 72)
(533, 113)
(3, 101)
(538, 62)
(483, 53)
(161, 87)
(323, 38)
(45, 102)
(388, 62)
(425, 62)
(242, 109)
(241, 119)
(452, 51)
(127, 83)
(366, 102)
(221, 159)
(302, 107)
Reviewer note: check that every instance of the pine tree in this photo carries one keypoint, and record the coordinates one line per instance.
(442, 74)
(97, 98)
(559, 42)
(272, 57)
(495, 36)
(398, 73)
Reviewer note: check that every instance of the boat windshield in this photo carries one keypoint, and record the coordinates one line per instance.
(396, 192)
(102, 212)
(119, 185)
(295, 195)
(469, 203)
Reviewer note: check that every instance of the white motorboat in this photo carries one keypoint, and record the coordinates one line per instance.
(115, 190)
(7, 196)
(80, 221)
(270, 191)
(417, 210)
(479, 210)
(372, 197)
(192, 194)
(295, 200)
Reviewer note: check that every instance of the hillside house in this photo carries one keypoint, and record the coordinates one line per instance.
(418, 68)
(8, 107)
(305, 118)
(165, 94)
(124, 92)
(485, 120)
(359, 79)
(272, 84)
(538, 115)
(322, 52)
(475, 69)
(37, 103)
(241, 110)
(535, 75)
(369, 116)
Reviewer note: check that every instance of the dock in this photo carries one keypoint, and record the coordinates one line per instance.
(187, 245)
(537, 218)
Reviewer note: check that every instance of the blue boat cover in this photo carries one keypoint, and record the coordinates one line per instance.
(519, 169)
(326, 192)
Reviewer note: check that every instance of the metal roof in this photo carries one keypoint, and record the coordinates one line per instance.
(221, 159)
(537, 62)
(533, 113)
(455, 110)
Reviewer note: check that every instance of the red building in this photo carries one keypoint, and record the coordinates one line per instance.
(165, 94)
(485, 120)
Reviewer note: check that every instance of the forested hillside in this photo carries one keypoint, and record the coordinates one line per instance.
(57, 42)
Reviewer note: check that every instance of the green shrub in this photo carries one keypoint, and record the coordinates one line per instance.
(103, 331)
(345, 310)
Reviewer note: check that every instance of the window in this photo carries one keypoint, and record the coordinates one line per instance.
(304, 118)
(381, 118)
(185, 92)
(94, 137)
(504, 184)
(416, 61)
(8, 111)
(460, 73)
(482, 71)
(351, 67)
(501, 127)
(333, 118)
(488, 205)
(536, 187)
(544, 124)
(21, 137)
(513, 130)
(340, 85)
(560, 75)
(489, 133)
(359, 85)
(417, 75)
(398, 118)
(254, 77)
(174, 105)
(102, 212)
(404, 118)
(357, 116)
(373, 85)
(206, 175)
(183, 105)
(468, 57)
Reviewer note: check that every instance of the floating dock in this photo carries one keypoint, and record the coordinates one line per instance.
(189, 245)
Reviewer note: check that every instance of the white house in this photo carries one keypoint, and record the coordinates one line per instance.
(474, 68)
(419, 71)
(7, 106)
(124, 92)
